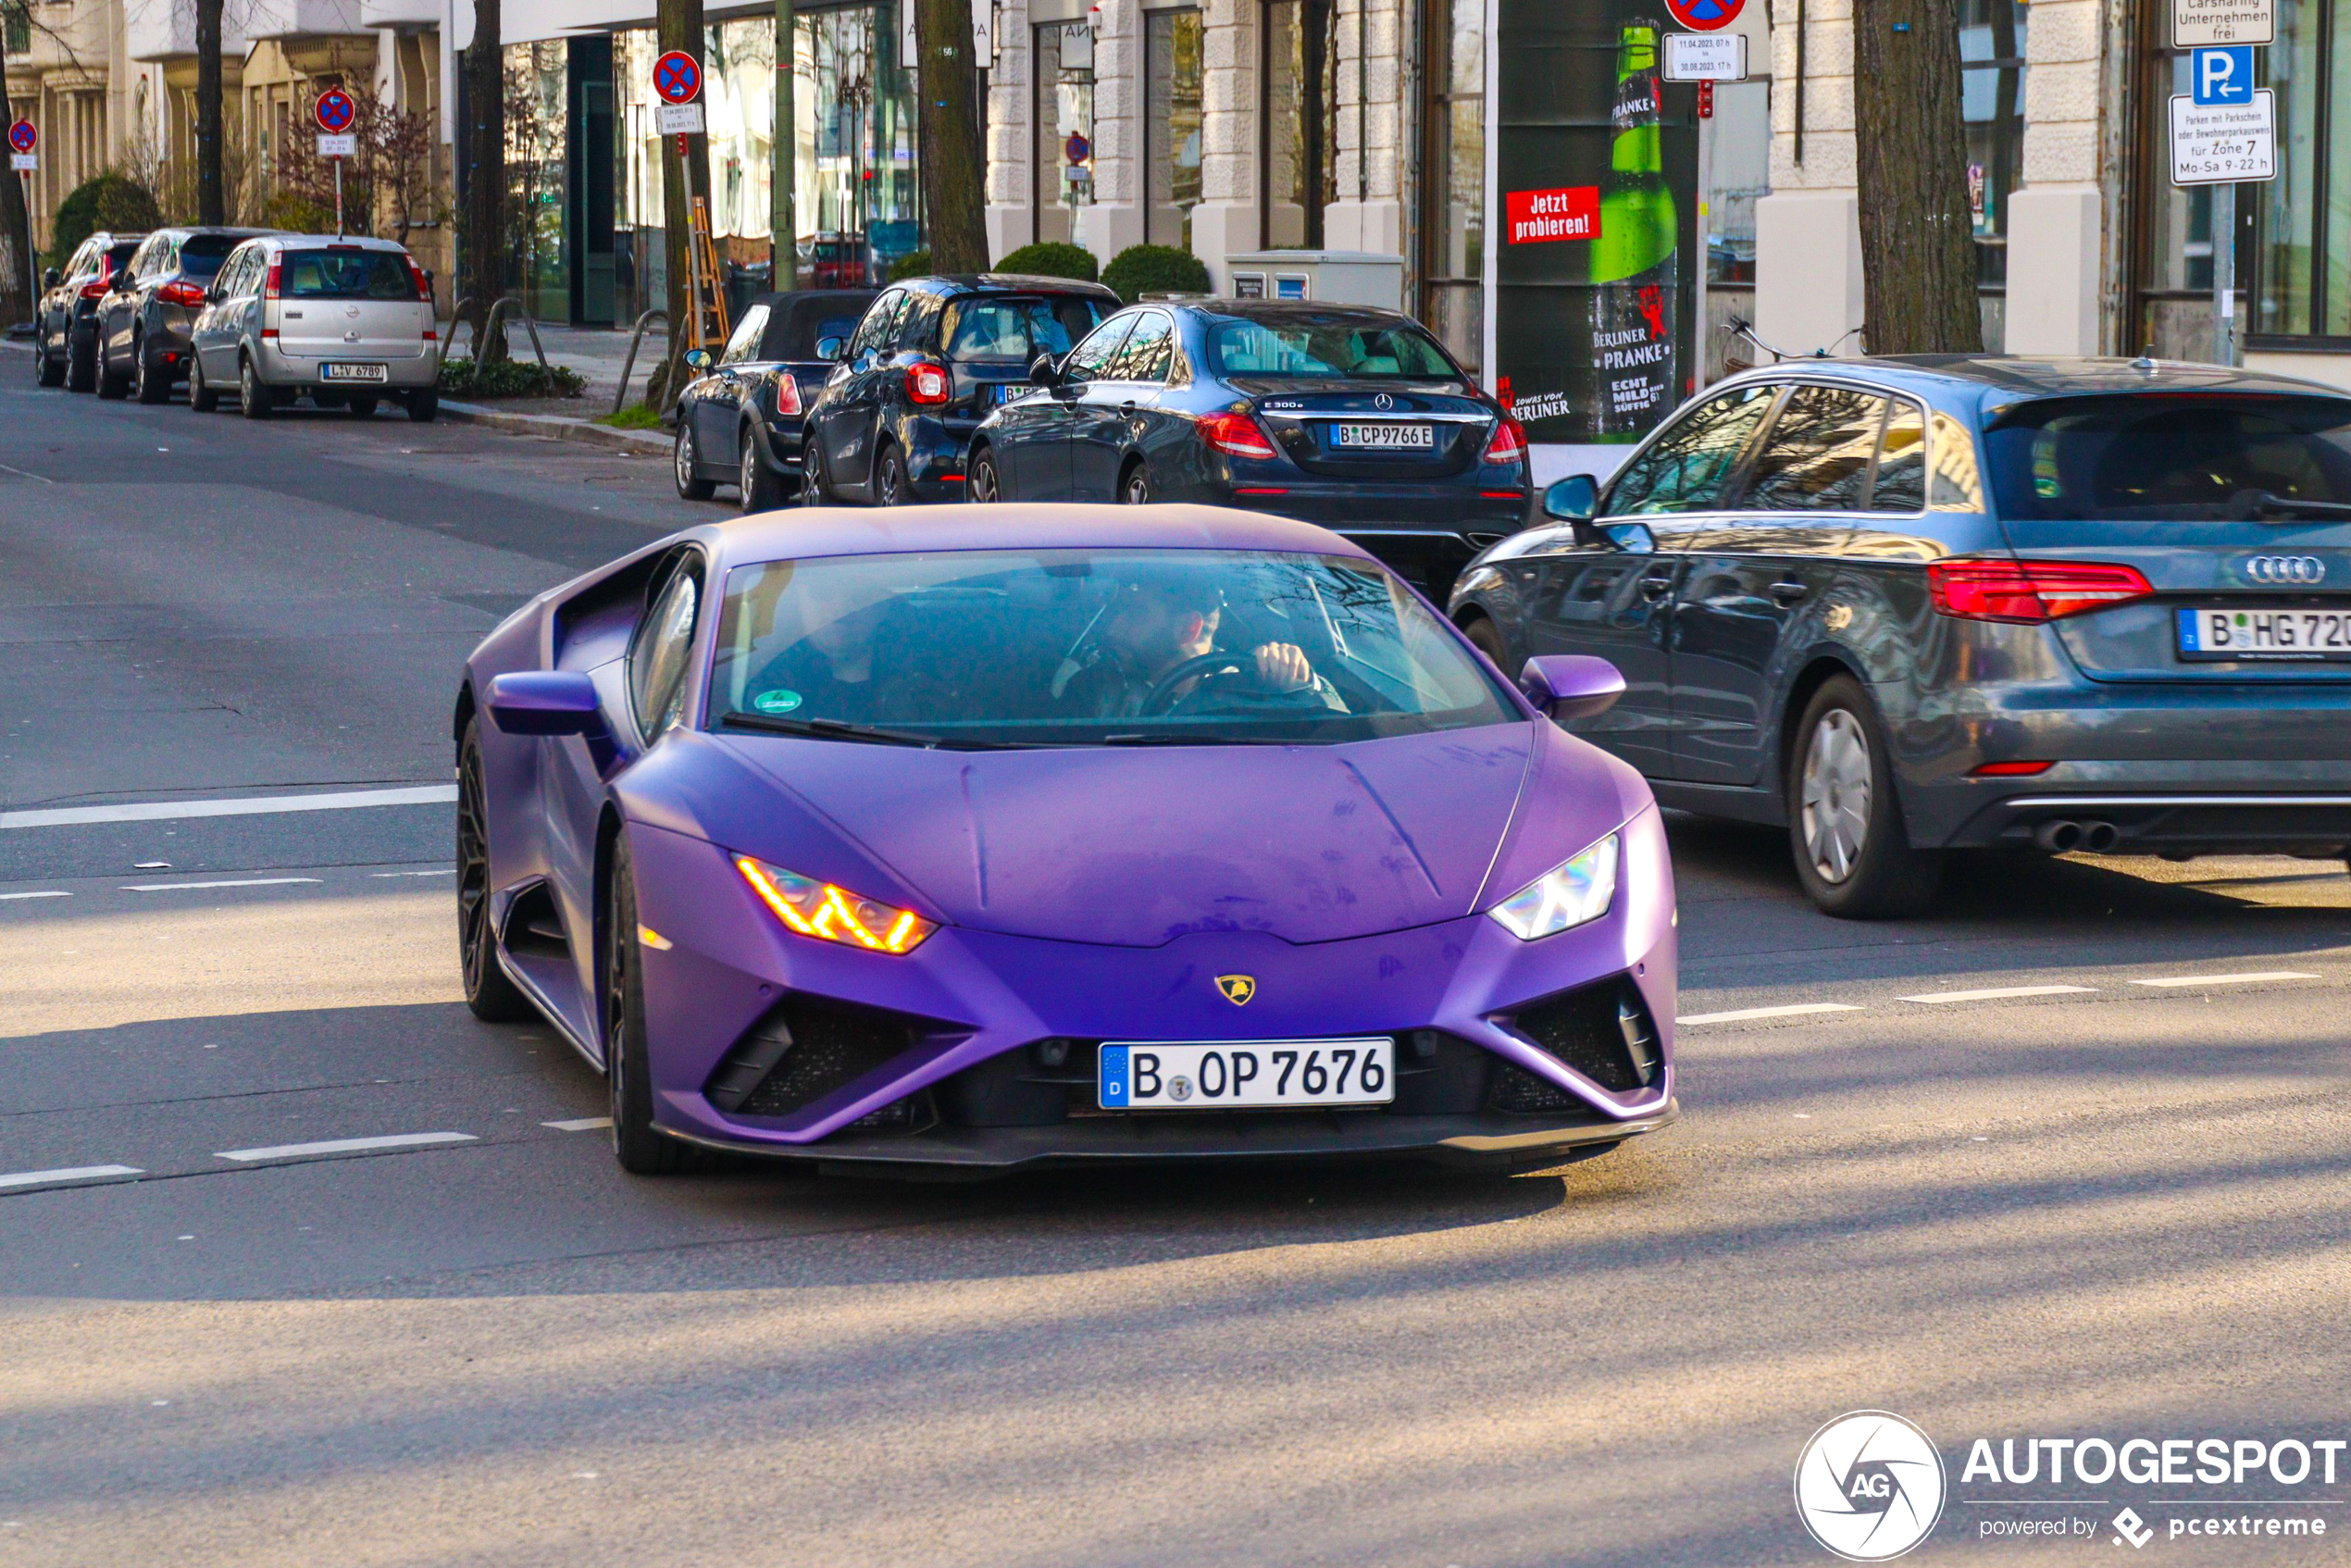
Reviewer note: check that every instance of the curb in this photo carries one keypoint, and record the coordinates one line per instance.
(556, 426)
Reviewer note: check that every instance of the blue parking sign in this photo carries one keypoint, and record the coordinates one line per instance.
(2221, 76)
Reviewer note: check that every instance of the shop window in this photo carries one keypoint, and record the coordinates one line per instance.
(1064, 119)
(1298, 156)
(1452, 217)
(1992, 103)
(537, 116)
(1171, 125)
(2304, 253)
(1739, 174)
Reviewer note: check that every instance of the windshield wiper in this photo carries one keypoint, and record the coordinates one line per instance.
(1182, 739)
(841, 729)
(2247, 503)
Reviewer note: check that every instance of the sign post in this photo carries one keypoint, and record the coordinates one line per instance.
(23, 137)
(334, 111)
(677, 84)
(1705, 58)
(2224, 132)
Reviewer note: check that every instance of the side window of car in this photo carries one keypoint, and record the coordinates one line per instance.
(1090, 361)
(82, 264)
(1900, 484)
(1817, 457)
(1687, 468)
(1144, 356)
(663, 644)
(879, 319)
(143, 259)
(745, 343)
(918, 326)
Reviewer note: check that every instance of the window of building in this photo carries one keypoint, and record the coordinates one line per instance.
(2304, 215)
(1453, 218)
(1064, 119)
(1299, 155)
(1171, 125)
(1992, 103)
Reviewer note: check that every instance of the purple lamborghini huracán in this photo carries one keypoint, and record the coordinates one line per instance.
(981, 838)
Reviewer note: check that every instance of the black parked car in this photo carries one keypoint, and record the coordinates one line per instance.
(1912, 605)
(1345, 416)
(740, 420)
(931, 359)
(150, 304)
(64, 325)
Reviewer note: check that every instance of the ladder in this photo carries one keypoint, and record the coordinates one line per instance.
(706, 324)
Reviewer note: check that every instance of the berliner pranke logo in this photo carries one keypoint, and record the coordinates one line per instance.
(1869, 1486)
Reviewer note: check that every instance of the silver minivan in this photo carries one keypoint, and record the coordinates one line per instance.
(348, 321)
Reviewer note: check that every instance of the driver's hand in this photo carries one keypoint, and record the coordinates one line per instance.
(1282, 667)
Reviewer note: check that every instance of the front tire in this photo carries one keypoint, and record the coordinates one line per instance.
(47, 368)
(253, 398)
(491, 997)
(1853, 854)
(642, 1149)
(201, 397)
(1487, 638)
(986, 485)
(686, 464)
(762, 490)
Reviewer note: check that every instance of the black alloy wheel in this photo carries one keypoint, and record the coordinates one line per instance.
(889, 478)
(986, 485)
(1853, 852)
(201, 397)
(252, 399)
(762, 490)
(489, 994)
(635, 1143)
(686, 464)
(815, 481)
(1136, 489)
(148, 383)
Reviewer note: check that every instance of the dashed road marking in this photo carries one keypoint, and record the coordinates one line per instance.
(228, 882)
(581, 1123)
(345, 1145)
(1999, 993)
(46, 894)
(249, 805)
(444, 871)
(70, 1173)
(2175, 981)
(1796, 1010)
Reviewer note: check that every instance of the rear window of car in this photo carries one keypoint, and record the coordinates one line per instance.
(2159, 455)
(200, 255)
(346, 275)
(118, 258)
(1013, 329)
(1333, 344)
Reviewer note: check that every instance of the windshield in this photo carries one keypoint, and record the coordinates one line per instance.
(2163, 455)
(349, 275)
(200, 255)
(1092, 647)
(1015, 331)
(1331, 344)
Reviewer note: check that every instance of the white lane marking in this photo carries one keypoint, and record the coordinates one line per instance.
(444, 871)
(581, 1123)
(1998, 993)
(53, 894)
(231, 883)
(345, 1145)
(2175, 981)
(70, 1173)
(250, 805)
(23, 475)
(1741, 1014)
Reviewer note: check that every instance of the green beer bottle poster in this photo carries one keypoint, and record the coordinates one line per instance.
(1634, 298)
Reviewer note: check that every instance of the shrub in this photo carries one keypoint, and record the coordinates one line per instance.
(108, 201)
(913, 263)
(636, 417)
(508, 378)
(1052, 258)
(1155, 269)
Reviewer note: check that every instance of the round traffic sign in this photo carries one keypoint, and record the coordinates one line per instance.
(23, 137)
(1077, 149)
(676, 77)
(1705, 15)
(335, 111)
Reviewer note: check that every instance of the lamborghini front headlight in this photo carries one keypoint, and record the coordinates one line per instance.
(1567, 895)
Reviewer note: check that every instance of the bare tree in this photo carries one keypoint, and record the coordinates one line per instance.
(482, 230)
(1918, 249)
(385, 183)
(955, 167)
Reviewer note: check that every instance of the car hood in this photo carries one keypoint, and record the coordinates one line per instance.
(1136, 847)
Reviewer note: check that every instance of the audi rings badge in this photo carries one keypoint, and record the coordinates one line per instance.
(2284, 571)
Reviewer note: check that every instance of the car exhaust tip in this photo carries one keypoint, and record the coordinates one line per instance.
(2101, 838)
(2060, 837)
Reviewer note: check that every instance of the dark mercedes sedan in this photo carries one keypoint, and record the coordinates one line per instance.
(739, 419)
(1911, 607)
(1345, 416)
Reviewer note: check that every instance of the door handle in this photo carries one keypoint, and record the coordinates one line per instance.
(1790, 592)
(1128, 407)
(1656, 585)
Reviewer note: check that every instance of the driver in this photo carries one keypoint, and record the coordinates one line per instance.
(1154, 624)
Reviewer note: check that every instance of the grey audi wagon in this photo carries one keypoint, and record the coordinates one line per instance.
(1912, 605)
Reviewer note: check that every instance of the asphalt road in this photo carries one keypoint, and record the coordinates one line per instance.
(2112, 1205)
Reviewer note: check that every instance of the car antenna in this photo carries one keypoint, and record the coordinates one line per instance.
(2146, 360)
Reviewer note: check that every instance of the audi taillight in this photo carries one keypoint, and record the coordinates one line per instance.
(787, 396)
(1235, 435)
(926, 384)
(1508, 443)
(269, 290)
(2027, 593)
(180, 292)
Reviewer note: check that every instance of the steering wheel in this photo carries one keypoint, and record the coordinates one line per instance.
(1161, 697)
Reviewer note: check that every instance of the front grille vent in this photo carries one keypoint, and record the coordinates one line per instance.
(805, 1048)
(1603, 1032)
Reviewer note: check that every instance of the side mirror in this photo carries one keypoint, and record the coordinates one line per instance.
(52, 278)
(1571, 685)
(556, 701)
(832, 349)
(1573, 499)
(698, 360)
(1044, 372)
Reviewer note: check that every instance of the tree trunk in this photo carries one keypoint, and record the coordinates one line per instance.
(481, 274)
(17, 288)
(1918, 250)
(679, 24)
(954, 166)
(212, 204)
